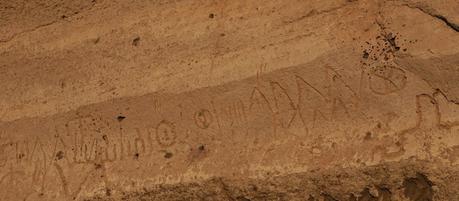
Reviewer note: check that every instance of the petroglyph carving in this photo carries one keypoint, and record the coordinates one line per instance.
(203, 118)
(134, 100)
(333, 100)
(387, 79)
(446, 121)
(72, 191)
(343, 95)
(217, 116)
(156, 105)
(258, 99)
(82, 143)
(12, 182)
(407, 138)
(165, 133)
(89, 139)
(139, 143)
(3, 154)
(286, 109)
(234, 113)
(429, 104)
(415, 140)
(16, 152)
(310, 102)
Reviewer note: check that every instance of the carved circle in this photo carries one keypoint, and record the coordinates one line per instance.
(165, 133)
(13, 182)
(203, 118)
(386, 80)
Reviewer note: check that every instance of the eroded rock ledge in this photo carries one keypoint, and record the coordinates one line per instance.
(229, 100)
(411, 181)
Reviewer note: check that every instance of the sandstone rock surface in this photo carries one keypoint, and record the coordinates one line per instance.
(229, 100)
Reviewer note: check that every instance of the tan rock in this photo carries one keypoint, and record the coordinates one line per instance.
(229, 100)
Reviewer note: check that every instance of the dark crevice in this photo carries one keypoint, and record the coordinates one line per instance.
(418, 188)
(62, 17)
(453, 26)
(442, 18)
(439, 91)
(120, 118)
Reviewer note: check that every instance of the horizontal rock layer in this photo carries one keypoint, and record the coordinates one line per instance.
(229, 100)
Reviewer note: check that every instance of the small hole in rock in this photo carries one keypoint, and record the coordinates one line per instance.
(136, 41)
(108, 192)
(368, 136)
(365, 54)
(120, 118)
(201, 148)
(60, 155)
(168, 155)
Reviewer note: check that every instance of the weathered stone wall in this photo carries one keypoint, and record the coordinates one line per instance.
(229, 100)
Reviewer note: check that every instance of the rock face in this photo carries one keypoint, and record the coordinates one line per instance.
(229, 100)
